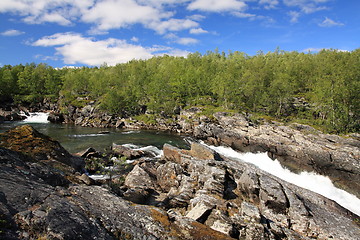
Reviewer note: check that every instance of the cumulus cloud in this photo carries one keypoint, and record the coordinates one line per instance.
(40, 11)
(198, 31)
(173, 25)
(76, 49)
(330, 23)
(217, 6)
(11, 33)
(110, 14)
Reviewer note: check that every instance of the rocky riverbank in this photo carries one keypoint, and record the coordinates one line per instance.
(186, 194)
(299, 147)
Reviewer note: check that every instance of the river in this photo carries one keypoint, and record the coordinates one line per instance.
(75, 138)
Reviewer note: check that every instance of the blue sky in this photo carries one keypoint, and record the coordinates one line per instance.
(93, 32)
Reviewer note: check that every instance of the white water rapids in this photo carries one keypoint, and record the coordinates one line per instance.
(309, 180)
(36, 117)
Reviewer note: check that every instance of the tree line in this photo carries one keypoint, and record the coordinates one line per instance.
(321, 88)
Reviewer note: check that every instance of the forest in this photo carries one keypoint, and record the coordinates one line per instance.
(321, 89)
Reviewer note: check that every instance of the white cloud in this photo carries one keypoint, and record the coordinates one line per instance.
(40, 11)
(198, 31)
(330, 23)
(244, 15)
(217, 6)
(187, 41)
(269, 4)
(59, 39)
(178, 53)
(134, 39)
(11, 33)
(197, 17)
(173, 25)
(55, 18)
(294, 16)
(76, 49)
(110, 14)
(252, 17)
(183, 41)
(307, 6)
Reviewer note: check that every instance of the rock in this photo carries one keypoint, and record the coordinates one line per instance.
(56, 117)
(201, 207)
(33, 209)
(171, 153)
(137, 195)
(298, 147)
(86, 179)
(119, 124)
(200, 151)
(139, 178)
(85, 153)
(261, 207)
(167, 174)
(127, 152)
(104, 132)
(27, 140)
(181, 197)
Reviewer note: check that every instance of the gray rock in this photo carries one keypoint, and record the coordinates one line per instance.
(299, 147)
(139, 178)
(196, 199)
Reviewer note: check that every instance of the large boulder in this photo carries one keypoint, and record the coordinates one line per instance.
(37, 146)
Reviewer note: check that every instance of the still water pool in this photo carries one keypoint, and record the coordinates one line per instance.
(75, 138)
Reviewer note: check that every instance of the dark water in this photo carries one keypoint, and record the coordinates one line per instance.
(75, 138)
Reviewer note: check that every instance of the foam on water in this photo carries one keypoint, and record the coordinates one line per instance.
(86, 135)
(309, 180)
(152, 149)
(37, 117)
